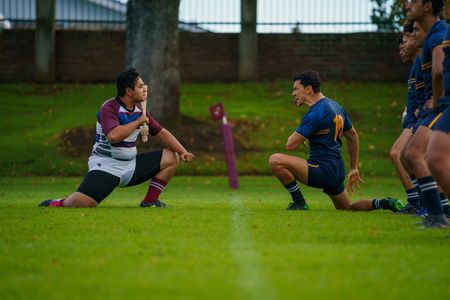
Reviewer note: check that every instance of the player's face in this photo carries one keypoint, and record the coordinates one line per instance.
(139, 93)
(409, 46)
(401, 48)
(299, 93)
(415, 10)
(419, 35)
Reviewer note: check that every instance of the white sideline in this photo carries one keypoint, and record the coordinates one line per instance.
(251, 277)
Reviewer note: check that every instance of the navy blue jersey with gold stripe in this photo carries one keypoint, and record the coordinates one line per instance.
(412, 102)
(323, 124)
(445, 100)
(420, 87)
(433, 39)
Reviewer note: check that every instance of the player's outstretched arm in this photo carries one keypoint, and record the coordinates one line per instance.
(353, 176)
(170, 141)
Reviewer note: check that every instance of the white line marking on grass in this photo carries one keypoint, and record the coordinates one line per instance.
(251, 277)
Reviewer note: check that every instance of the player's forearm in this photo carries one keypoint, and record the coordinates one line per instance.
(353, 150)
(121, 132)
(168, 140)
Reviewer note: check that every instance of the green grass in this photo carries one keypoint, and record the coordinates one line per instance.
(37, 114)
(213, 243)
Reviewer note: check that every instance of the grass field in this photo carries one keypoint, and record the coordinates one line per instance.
(213, 243)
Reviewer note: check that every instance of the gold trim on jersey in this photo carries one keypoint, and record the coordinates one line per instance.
(446, 43)
(313, 166)
(434, 120)
(420, 85)
(322, 132)
(427, 66)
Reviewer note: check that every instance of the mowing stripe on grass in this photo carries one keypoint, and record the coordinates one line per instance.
(252, 278)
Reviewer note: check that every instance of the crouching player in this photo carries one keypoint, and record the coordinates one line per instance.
(114, 160)
(323, 124)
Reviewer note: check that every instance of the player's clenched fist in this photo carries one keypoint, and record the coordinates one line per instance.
(187, 157)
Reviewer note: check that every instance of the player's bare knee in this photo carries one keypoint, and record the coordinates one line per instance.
(275, 160)
(394, 155)
(411, 156)
(170, 158)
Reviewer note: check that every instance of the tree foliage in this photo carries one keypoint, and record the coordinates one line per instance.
(389, 15)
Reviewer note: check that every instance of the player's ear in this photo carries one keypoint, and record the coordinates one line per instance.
(128, 91)
(428, 6)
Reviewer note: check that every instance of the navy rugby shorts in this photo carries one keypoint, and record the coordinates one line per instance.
(329, 175)
(443, 122)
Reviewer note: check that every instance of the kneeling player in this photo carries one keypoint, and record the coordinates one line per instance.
(114, 160)
(324, 124)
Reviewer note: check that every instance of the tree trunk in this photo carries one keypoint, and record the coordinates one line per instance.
(152, 48)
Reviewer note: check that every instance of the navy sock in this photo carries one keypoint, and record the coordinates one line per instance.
(428, 187)
(378, 203)
(412, 196)
(416, 186)
(294, 190)
(444, 203)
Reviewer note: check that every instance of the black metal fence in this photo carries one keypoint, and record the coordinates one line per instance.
(318, 16)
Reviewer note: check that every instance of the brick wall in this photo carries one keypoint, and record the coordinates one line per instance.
(93, 56)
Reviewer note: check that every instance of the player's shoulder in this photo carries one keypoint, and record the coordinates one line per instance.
(110, 103)
(437, 35)
(333, 104)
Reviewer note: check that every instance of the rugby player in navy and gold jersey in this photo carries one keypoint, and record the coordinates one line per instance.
(323, 125)
(426, 13)
(114, 160)
(438, 153)
(409, 52)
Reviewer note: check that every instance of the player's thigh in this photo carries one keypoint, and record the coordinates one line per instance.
(296, 165)
(438, 148)
(341, 201)
(419, 141)
(147, 166)
(98, 185)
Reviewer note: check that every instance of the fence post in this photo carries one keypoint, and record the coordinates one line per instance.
(45, 41)
(248, 42)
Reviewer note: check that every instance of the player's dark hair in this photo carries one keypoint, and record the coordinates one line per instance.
(438, 5)
(126, 79)
(408, 27)
(308, 77)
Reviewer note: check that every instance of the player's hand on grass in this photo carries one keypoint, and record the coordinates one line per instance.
(354, 179)
(187, 157)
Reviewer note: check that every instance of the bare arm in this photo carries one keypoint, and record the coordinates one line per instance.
(351, 136)
(295, 140)
(168, 140)
(119, 133)
(436, 73)
(353, 176)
